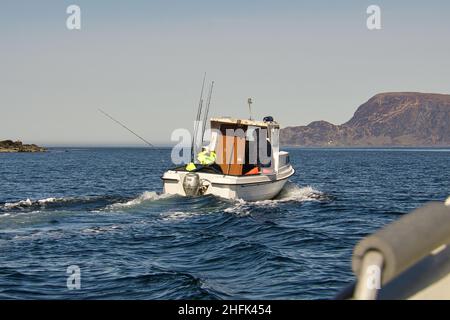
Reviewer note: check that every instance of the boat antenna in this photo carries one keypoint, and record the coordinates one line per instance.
(124, 126)
(250, 101)
(197, 119)
(208, 102)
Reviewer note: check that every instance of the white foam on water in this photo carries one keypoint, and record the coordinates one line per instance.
(178, 215)
(290, 193)
(49, 200)
(293, 192)
(22, 203)
(28, 202)
(145, 197)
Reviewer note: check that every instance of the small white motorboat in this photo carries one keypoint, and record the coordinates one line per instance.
(247, 163)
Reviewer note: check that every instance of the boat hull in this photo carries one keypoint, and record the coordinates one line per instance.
(248, 188)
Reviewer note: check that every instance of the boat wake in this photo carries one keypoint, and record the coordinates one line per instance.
(147, 196)
(178, 215)
(291, 193)
(30, 204)
(86, 203)
(295, 193)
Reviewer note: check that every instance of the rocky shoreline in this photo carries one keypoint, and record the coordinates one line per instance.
(18, 146)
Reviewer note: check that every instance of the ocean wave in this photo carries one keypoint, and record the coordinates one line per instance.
(144, 197)
(88, 203)
(290, 193)
(178, 215)
(30, 203)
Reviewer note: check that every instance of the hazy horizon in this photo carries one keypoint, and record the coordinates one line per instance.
(143, 62)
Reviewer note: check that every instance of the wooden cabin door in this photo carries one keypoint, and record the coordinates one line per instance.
(231, 154)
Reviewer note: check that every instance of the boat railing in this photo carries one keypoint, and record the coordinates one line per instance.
(400, 246)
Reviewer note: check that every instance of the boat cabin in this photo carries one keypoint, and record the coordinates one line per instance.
(245, 147)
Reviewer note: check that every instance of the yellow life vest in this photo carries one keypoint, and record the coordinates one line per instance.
(190, 167)
(206, 158)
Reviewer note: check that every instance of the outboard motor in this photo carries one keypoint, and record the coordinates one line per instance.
(191, 184)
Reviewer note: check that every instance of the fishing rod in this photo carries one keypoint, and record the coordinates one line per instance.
(124, 126)
(208, 102)
(197, 119)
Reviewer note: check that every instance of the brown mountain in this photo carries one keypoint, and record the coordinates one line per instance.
(387, 119)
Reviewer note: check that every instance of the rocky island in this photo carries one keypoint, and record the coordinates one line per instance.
(18, 146)
(397, 119)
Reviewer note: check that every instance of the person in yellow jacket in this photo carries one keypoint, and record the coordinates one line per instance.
(205, 158)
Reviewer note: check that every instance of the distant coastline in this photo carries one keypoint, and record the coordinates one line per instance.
(8, 146)
(393, 119)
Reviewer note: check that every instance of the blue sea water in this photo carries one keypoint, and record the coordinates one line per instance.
(102, 210)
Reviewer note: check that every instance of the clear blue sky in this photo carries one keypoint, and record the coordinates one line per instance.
(143, 61)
